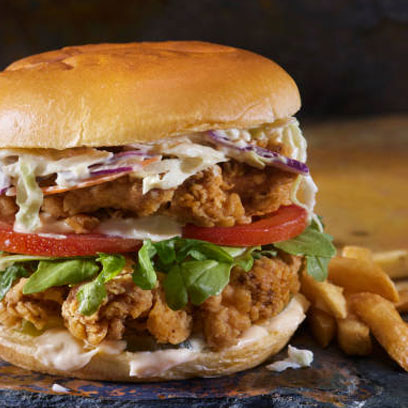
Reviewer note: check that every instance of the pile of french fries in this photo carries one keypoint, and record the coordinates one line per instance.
(363, 295)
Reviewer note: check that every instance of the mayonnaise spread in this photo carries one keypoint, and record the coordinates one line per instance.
(57, 348)
(155, 227)
(155, 363)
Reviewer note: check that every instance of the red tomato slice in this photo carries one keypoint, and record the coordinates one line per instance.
(284, 224)
(72, 245)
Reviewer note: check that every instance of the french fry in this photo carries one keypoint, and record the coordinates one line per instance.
(401, 285)
(357, 252)
(385, 323)
(322, 326)
(324, 293)
(357, 275)
(394, 263)
(353, 336)
(402, 305)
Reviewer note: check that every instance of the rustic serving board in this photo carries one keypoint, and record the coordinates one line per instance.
(361, 167)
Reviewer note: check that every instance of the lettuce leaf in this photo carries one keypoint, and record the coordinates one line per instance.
(195, 270)
(144, 274)
(316, 246)
(60, 273)
(9, 275)
(91, 295)
(29, 197)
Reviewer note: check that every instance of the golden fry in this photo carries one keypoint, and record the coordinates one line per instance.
(357, 275)
(353, 336)
(402, 305)
(322, 326)
(394, 263)
(357, 252)
(324, 293)
(401, 285)
(385, 323)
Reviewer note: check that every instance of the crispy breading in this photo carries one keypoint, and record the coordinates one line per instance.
(124, 193)
(8, 207)
(225, 317)
(222, 195)
(261, 191)
(37, 308)
(82, 223)
(167, 325)
(124, 300)
(205, 200)
(249, 298)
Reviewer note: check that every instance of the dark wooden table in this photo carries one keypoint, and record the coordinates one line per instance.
(361, 167)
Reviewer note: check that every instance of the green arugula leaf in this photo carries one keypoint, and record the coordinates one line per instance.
(195, 280)
(316, 246)
(200, 250)
(235, 251)
(60, 273)
(212, 251)
(175, 289)
(166, 251)
(246, 260)
(309, 242)
(204, 279)
(9, 275)
(112, 265)
(195, 269)
(11, 259)
(144, 274)
(314, 224)
(317, 267)
(91, 294)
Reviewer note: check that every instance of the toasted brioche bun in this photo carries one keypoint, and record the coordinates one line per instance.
(20, 350)
(116, 94)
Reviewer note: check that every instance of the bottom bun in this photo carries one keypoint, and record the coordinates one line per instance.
(57, 352)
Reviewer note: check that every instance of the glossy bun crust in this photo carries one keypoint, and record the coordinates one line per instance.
(116, 94)
(20, 351)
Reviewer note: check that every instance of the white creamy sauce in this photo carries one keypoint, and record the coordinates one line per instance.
(59, 388)
(156, 228)
(151, 364)
(284, 321)
(49, 225)
(57, 348)
(297, 358)
(253, 333)
(54, 236)
(190, 159)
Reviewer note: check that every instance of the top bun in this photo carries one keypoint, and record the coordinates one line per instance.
(116, 94)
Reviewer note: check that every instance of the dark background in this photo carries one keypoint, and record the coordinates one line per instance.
(349, 57)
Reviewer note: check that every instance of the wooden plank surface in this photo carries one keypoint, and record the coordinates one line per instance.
(361, 168)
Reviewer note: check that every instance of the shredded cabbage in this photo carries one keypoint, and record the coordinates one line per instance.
(70, 166)
(184, 157)
(190, 159)
(29, 197)
(292, 137)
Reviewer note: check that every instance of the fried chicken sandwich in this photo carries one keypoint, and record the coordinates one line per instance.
(155, 211)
